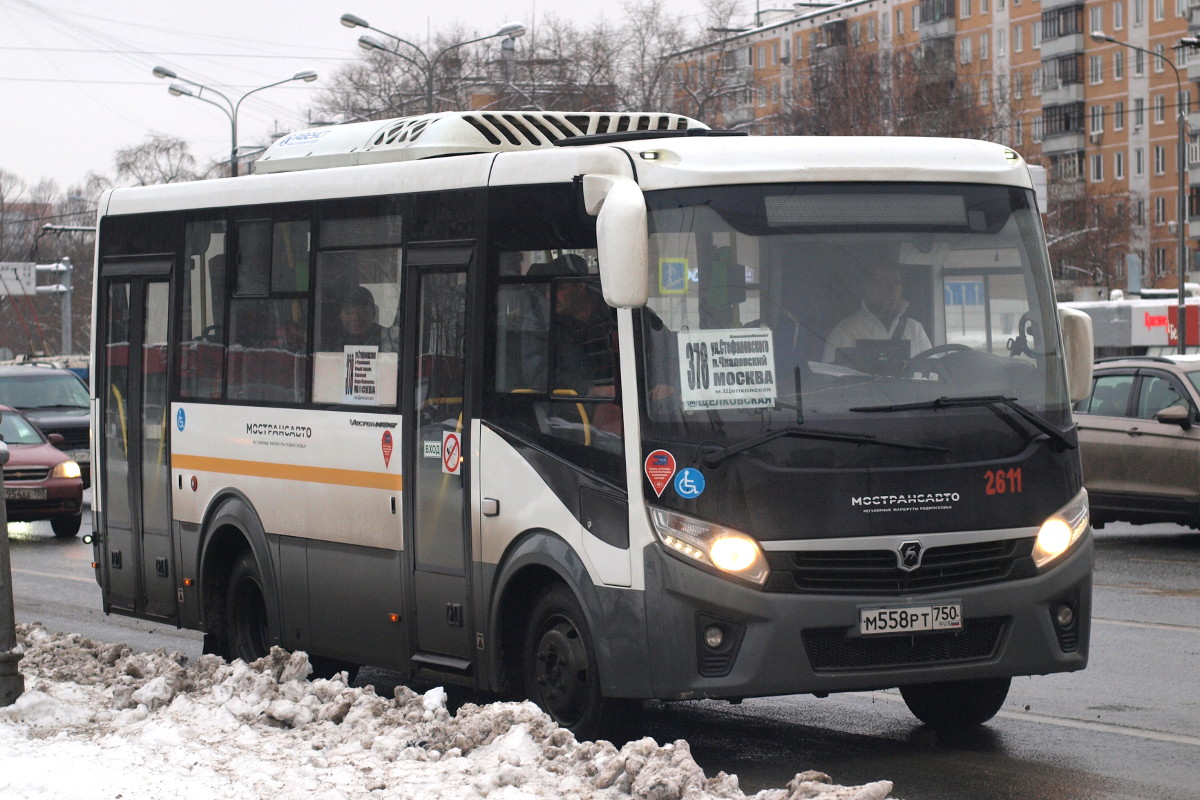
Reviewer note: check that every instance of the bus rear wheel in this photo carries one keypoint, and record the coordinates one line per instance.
(559, 662)
(247, 627)
(956, 704)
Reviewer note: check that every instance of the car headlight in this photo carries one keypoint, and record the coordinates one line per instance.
(1061, 530)
(67, 469)
(717, 546)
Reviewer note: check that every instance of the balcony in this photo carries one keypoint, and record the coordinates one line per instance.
(1062, 93)
(1062, 45)
(1064, 142)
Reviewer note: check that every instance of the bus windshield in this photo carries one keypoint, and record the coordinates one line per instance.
(856, 324)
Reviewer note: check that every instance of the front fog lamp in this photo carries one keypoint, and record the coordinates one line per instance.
(728, 550)
(1061, 530)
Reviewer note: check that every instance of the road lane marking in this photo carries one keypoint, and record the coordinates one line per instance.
(1062, 722)
(1162, 626)
(91, 579)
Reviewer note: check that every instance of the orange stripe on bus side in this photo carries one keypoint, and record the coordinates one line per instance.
(289, 472)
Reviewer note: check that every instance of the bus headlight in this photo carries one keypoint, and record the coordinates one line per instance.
(726, 549)
(1061, 530)
(67, 469)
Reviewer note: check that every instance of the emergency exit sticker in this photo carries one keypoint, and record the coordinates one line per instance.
(660, 468)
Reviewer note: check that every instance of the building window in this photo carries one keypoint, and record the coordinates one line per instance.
(1001, 42)
(1097, 125)
(1139, 112)
(1158, 10)
(1139, 12)
(1037, 35)
(1160, 261)
(899, 21)
(1119, 165)
(1118, 16)
(1020, 133)
(1160, 109)
(1159, 58)
(985, 92)
(1018, 38)
(1160, 210)
(1139, 163)
(1160, 160)
(1035, 85)
(984, 40)
(1096, 68)
(1097, 168)
(1119, 115)
(1018, 84)
(964, 55)
(966, 9)
(1140, 212)
(1038, 125)
(1119, 65)
(1096, 13)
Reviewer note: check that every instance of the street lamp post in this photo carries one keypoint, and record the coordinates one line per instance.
(427, 65)
(1181, 162)
(228, 107)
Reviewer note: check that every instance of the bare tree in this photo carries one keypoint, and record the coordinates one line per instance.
(160, 158)
(714, 73)
(1088, 235)
(646, 75)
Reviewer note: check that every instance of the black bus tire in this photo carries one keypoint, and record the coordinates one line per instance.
(558, 660)
(66, 527)
(956, 704)
(247, 624)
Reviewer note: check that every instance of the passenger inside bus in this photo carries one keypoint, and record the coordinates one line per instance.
(359, 321)
(879, 336)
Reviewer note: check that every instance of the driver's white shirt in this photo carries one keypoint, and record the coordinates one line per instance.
(862, 324)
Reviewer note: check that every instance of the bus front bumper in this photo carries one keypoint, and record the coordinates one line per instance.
(774, 644)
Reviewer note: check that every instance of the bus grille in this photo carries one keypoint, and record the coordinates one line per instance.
(830, 650)
(876, 572)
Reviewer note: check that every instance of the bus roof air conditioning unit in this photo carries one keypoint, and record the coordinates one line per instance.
(451, 133)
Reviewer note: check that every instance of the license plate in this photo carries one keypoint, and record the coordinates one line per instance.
(82, 456)
(19, 493)
(910, 619)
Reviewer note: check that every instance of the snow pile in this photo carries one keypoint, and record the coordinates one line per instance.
(97, 720)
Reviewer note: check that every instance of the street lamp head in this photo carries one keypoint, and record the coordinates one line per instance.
(1101, 36)
(512, 30)
(308, 76)
(351, 21)
(1190, 42)
(179, 89)
(371, 43)
(163, 72)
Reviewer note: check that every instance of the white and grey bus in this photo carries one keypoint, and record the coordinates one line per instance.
(548, 405)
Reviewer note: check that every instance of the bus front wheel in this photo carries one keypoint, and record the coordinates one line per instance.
(247, 627)
(956, 704)
(559, 662)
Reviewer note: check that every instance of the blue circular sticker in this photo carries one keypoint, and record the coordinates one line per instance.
(180, 420)
(689, 483)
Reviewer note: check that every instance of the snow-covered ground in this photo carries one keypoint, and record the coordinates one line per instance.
(100, 721)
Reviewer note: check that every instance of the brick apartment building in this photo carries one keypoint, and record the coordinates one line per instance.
(1100, 116)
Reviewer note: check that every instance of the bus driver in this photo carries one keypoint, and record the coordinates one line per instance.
(881, 317)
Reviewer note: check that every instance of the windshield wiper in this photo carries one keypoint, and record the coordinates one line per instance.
(713, 459)
(992, 401)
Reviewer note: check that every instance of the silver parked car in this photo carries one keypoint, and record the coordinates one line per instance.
(1139, 440)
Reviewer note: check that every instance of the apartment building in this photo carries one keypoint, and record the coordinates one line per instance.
(1102, 116)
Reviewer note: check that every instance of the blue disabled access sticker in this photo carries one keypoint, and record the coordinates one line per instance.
(180, 420)
(689, 483)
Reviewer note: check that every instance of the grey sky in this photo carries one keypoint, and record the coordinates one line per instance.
(76, 83)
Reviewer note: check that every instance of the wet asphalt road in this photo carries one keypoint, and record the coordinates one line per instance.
(1126, 728)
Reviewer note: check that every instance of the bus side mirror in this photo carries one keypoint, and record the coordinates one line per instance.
(1079, 350)
(622, 238)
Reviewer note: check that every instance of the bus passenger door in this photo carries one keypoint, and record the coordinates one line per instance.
(133, 460)
(438, 433)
